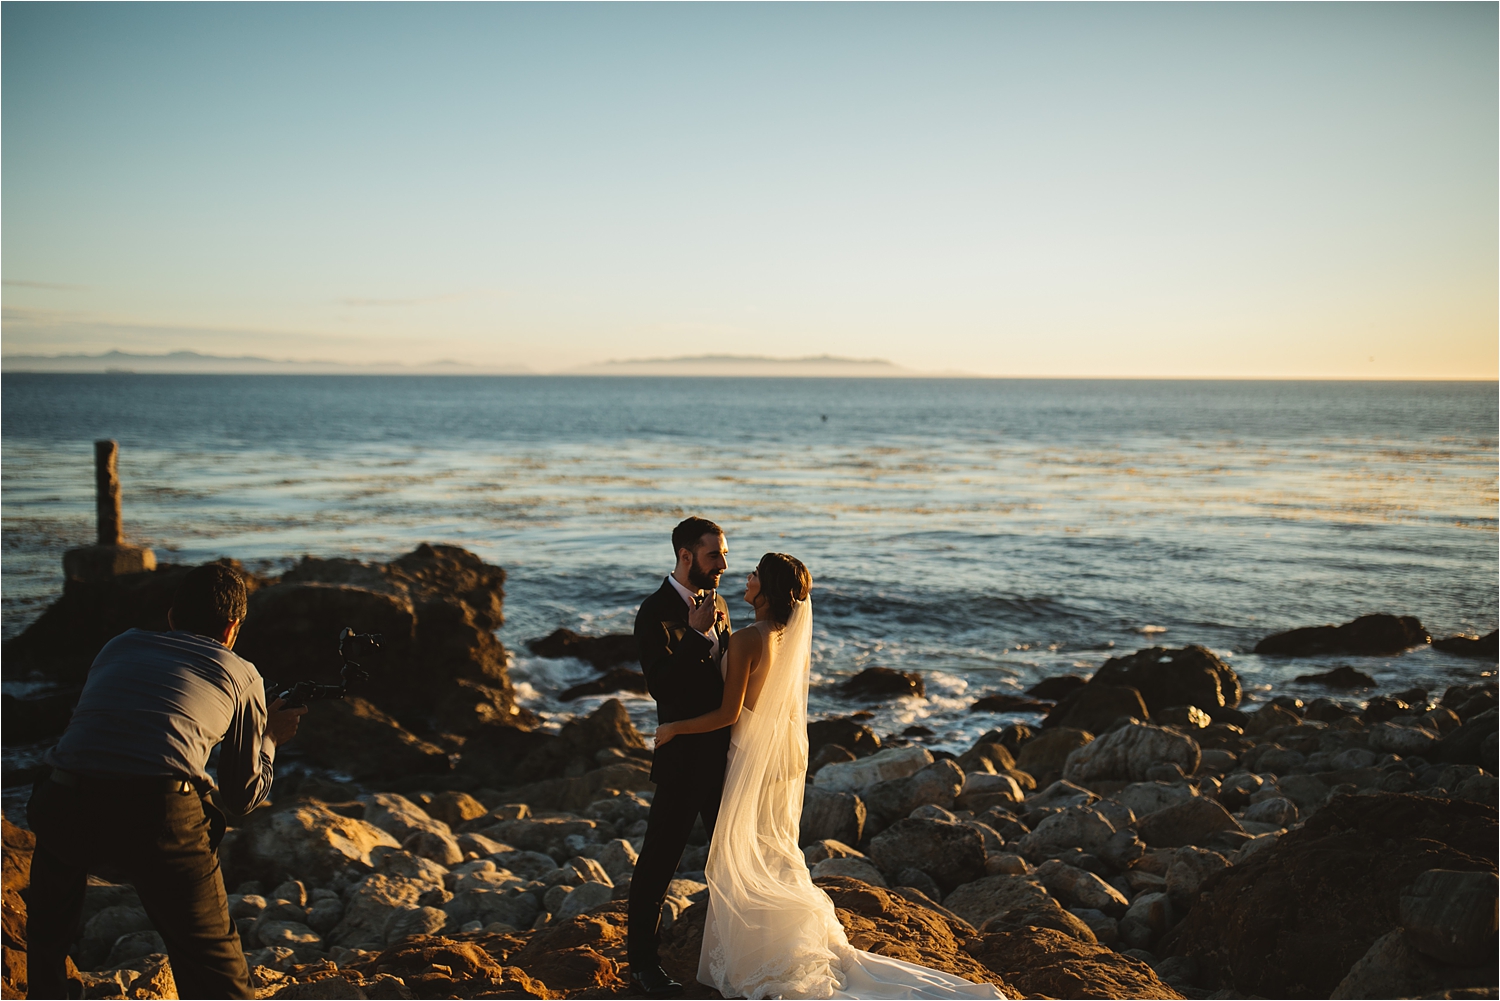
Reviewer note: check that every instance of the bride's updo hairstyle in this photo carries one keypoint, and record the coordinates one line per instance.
(783, 582)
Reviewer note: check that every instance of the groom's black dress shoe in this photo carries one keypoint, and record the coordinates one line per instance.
(653, 982)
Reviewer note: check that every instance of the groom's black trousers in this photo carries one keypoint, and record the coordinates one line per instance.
(691, 787)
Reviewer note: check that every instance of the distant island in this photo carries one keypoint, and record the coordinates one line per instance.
(191, 362)
(751, 365)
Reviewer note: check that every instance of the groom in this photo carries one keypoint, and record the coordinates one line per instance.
(682, 631)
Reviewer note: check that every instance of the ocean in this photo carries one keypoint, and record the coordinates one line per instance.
(987, 533)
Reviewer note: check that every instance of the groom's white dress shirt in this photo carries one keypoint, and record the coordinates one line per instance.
(692, 602)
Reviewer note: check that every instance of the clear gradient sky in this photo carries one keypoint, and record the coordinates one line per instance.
(1241, 190)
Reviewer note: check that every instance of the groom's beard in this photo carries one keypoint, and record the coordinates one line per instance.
(702, 578)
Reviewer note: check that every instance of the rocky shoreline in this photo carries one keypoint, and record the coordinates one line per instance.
(1145, 837)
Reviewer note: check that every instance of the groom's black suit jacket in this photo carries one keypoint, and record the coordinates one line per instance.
(683, 678)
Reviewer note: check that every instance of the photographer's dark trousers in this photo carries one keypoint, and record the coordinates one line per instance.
(163, 843)
(689, 784)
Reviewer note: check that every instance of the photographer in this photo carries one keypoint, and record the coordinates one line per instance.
(129, 787)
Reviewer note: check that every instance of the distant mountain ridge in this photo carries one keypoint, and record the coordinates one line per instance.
(749, 365)
(196, 363)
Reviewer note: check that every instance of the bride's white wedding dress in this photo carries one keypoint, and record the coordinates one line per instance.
(770, 932)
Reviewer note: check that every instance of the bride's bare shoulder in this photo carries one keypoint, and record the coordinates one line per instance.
(748, 641)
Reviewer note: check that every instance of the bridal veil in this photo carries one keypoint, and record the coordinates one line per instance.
(770, 932)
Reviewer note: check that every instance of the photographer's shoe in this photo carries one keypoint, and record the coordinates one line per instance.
(653, 982)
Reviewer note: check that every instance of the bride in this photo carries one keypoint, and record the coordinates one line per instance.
(770, 932)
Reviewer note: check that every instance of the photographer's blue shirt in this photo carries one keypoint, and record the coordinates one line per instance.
(157, 703)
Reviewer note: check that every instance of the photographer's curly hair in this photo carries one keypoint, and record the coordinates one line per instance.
(783, 582)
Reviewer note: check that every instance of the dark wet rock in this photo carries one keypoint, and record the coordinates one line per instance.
(1339, 677)
(1094, 707)
(1044, 755)
(879, 683)
(1184, 717)
(1005, 703)
(25, 721)
(1468, 701)
(499, 757)
(602, 651)
(357, 738)
(1190, 822)
(847, 732)
(1450, 915)
(1327, 710)
(1368, 635)
(619, 679)
(1268, 717)
(952, 854)
(1292, 919)
(987, 750)
(1041, 962)
(828, 754)
(61, 644)
(1480, 647)
(1056, 688)
(1011, 737)
(1466, 745)
(1394, 967)
(1191, 676)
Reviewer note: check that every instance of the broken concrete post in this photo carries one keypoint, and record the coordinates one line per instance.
(111, 557)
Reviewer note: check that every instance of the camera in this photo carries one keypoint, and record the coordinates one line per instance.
(352, 645)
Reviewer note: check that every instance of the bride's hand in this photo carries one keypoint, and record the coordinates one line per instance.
(664, 733)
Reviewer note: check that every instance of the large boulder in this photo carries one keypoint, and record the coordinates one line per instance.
(1191, 676)
(63, 641)
(1479, 647)
(938, 784)
(305, 841)
(356, 737)
(1043, 755)
(1041, 962)
(603, 652)
(1073, 827)
(437, 609)
(400, 817)
(850, 734)
(880, 683)
(952, 854)
(1005, 902)
(1292, 919)
(502, 757)
(826, 814)
(1451, 916)
(1190, 822)
(372, 904)
(1130, 753)
(1394, 967)
(1094, 707)
(882, 766)
(1369, 635)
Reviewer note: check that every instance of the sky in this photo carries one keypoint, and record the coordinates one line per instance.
(1127, 190)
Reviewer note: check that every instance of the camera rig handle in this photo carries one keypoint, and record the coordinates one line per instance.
(302, 692)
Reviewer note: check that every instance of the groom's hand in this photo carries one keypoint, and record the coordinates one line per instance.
(706, 615)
